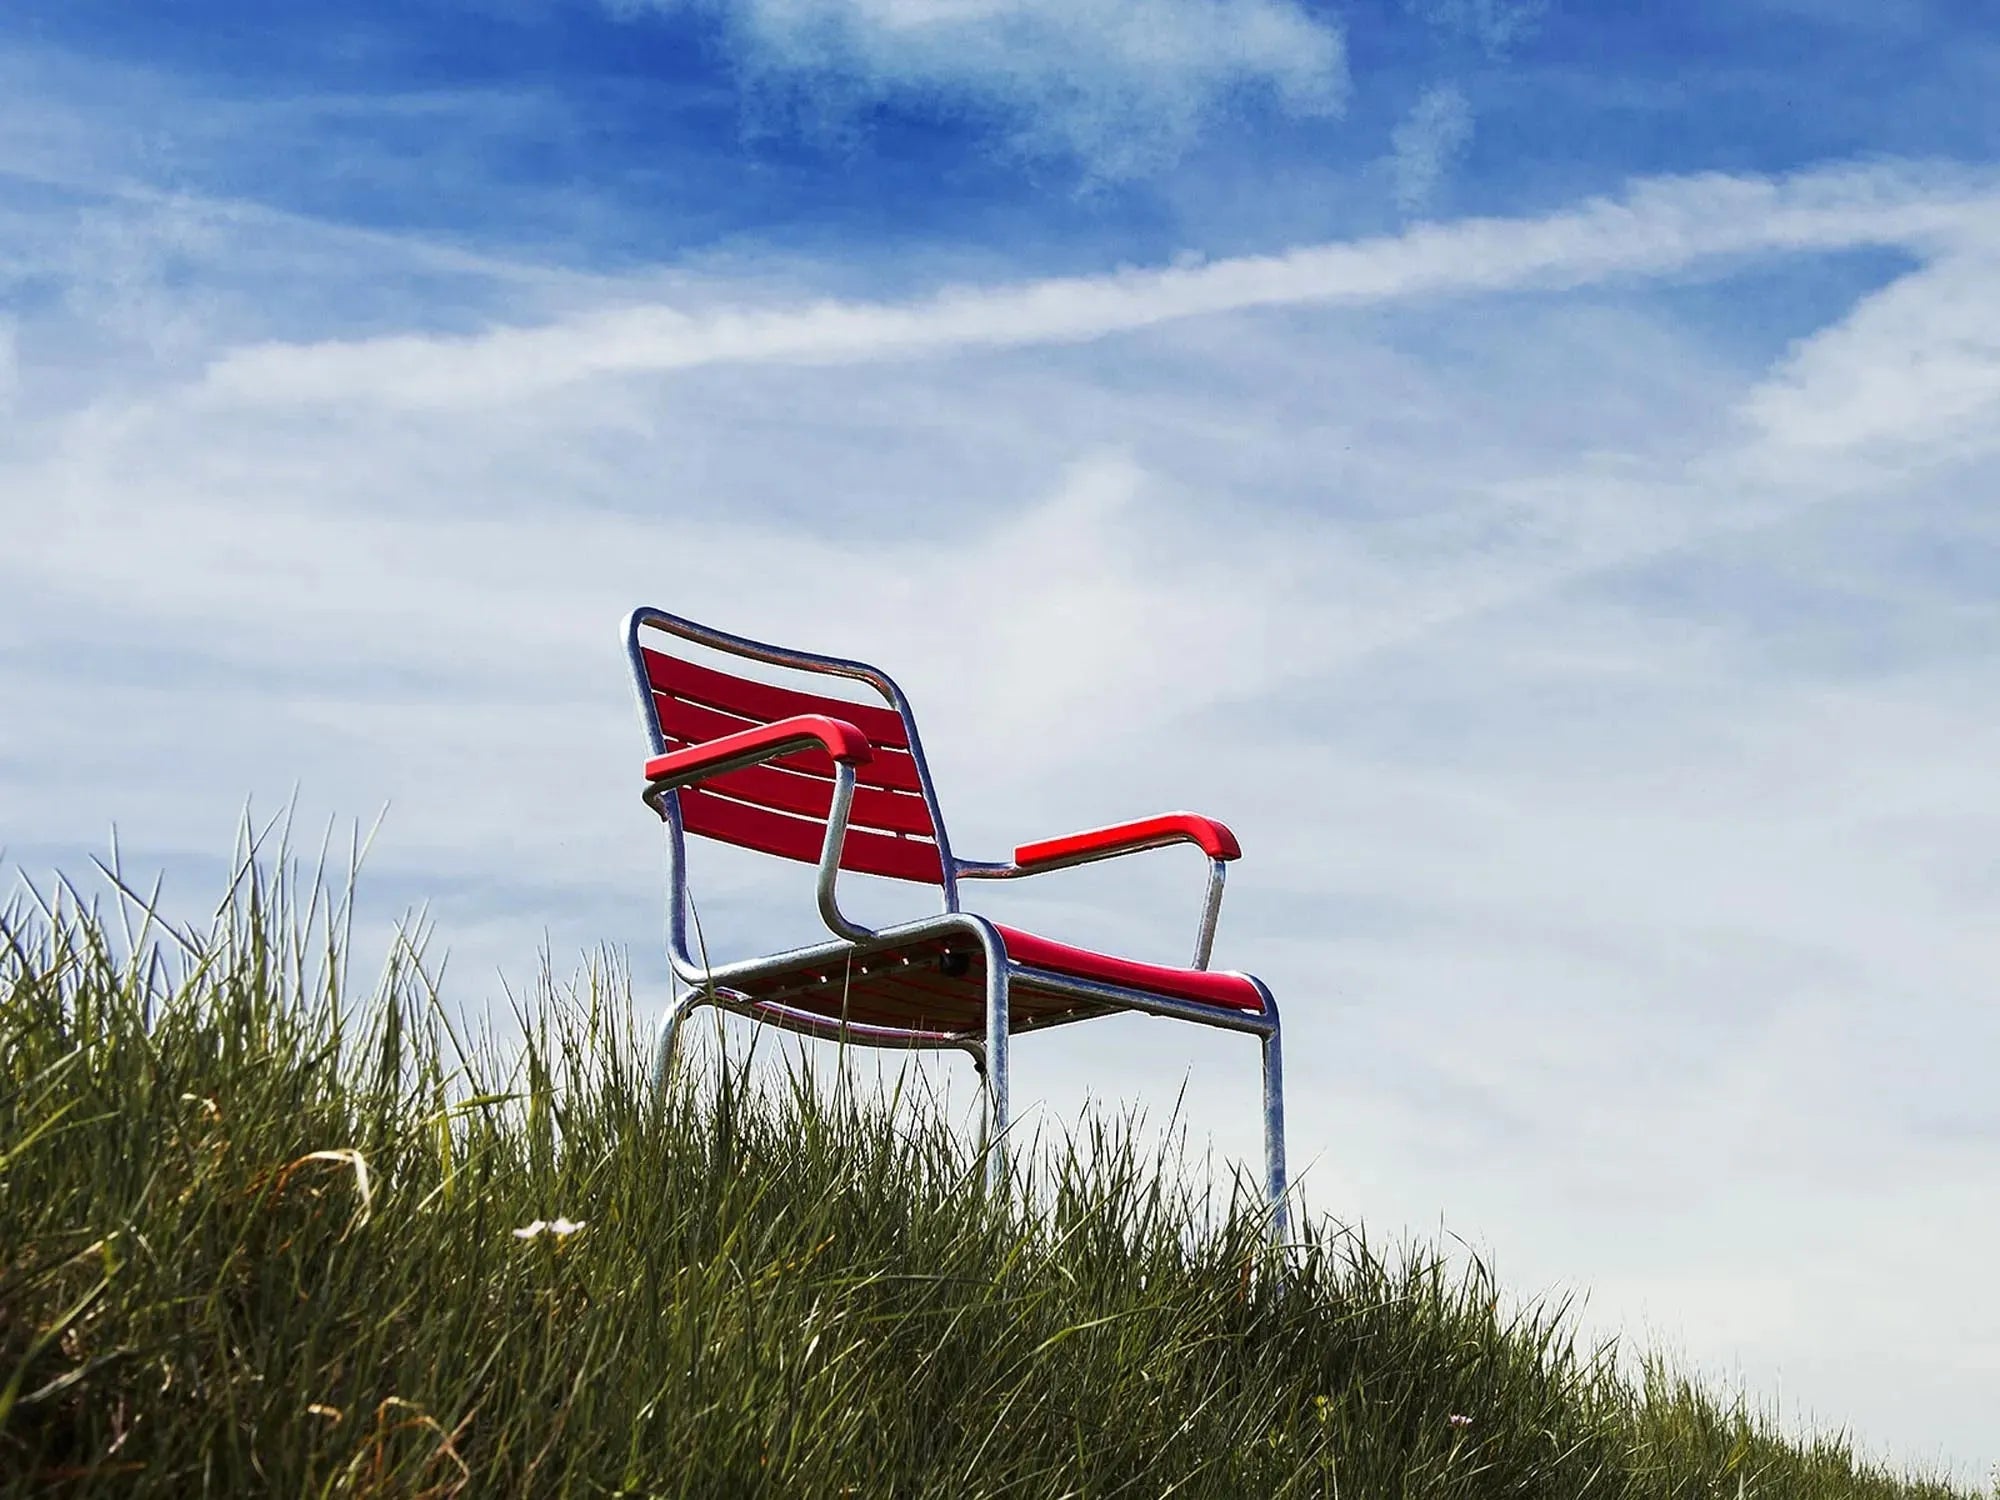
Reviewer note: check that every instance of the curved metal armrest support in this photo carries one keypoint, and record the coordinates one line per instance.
(1214, 839)
(847, 746)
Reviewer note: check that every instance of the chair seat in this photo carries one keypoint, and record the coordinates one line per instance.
(938, 984)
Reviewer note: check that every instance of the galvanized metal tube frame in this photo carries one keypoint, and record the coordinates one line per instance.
(709, 984)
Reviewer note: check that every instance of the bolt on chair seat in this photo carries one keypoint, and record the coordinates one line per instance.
(844, 785)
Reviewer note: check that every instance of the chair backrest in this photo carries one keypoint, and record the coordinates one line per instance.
(780, 807)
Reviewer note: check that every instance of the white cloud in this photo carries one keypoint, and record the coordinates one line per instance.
(1495, 25)
(1658, 226)
(1915, 369)
(1125, 88)
(10, 365)
(1427, 142)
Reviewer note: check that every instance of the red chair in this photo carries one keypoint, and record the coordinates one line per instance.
(843, 785)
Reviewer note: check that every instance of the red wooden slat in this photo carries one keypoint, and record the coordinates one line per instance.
(1203, 986)
(694, 723)
(810, 796)
(765, 703)
(843, 742)
(799, 838)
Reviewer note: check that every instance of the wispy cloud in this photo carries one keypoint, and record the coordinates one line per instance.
(1913, 370)
(10, 365)
(1496, 26)
(1124, 88)
(1660, 226)
(1427, 142)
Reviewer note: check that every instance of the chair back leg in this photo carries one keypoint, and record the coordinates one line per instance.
(1275, 1185)
(668, 1037)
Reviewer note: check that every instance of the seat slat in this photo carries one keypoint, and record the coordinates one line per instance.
(811, 796)
(917, 997)
(764, 703)
(1202, 986)
(878, 1002)
(868, 853)
(891, 769)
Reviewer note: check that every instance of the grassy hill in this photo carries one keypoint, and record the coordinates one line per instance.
(260, 1236)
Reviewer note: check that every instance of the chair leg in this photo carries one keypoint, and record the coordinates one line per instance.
(668, 1037)
(996, 1078)
(1274, 1132)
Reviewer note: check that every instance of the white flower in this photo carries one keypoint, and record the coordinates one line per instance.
(559, 1227)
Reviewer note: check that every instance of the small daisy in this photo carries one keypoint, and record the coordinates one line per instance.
(560, 1228)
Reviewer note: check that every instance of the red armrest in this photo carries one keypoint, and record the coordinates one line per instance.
(837, 737)
(1216, 841)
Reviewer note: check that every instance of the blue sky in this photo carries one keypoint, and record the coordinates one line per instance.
(1529, 468)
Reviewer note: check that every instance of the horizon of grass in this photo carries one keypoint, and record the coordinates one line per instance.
(260, 1234)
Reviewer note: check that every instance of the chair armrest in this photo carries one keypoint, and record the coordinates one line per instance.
(731, 752)
(747, 747)
(1216, 841)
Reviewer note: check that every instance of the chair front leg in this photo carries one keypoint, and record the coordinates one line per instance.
(996, 1075)
(1275, 1186)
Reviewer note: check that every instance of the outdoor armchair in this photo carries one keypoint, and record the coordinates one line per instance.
(795, 773)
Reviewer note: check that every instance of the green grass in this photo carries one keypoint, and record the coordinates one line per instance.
(257, 1236)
